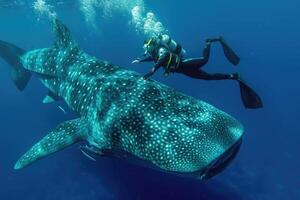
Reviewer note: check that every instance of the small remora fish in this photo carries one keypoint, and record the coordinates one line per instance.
(124, 114)
(63, 110)
(84, 150)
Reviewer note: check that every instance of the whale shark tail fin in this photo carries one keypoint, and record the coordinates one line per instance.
(63, 136)
(11, 54)
(63, 36)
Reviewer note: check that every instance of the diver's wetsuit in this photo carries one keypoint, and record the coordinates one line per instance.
(189, 67)
(172, 61)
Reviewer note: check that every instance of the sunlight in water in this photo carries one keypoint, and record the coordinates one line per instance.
(44, 9)
(144, 22)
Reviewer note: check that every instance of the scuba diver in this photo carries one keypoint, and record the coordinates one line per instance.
(167, 53)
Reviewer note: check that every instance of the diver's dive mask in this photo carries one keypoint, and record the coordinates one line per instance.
(149, 46)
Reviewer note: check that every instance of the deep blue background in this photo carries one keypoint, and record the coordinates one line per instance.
(266, 36)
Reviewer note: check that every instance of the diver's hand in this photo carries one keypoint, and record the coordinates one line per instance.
(147, 76)
(136, 61)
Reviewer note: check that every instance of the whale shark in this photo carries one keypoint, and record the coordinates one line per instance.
(121, 114)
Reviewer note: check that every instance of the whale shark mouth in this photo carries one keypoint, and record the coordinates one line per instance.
(219, 164)
(211, 170)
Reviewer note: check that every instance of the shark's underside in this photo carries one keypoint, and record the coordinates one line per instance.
(123, 115)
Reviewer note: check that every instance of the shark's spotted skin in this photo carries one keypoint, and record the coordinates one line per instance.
(123, 112)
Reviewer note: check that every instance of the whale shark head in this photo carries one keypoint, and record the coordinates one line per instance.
(158, 127)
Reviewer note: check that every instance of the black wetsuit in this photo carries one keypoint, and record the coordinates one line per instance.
(172, 62)
(189, 67)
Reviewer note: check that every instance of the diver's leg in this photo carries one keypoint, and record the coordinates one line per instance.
(200, 74)
(249, 97)
(199, 62)
(214, 76)
(229, 53)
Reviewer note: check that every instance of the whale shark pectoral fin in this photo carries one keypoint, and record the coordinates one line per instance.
(61, 137)
(62, 34)
(50, 98)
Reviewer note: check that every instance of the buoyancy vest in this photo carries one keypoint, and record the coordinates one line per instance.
(172, 63)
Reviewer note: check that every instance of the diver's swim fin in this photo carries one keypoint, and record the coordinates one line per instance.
(229, 53)
(250, 98)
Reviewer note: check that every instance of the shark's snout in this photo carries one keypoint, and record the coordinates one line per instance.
(219, 164)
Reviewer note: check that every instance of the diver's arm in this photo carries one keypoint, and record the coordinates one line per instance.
(162, 59)
(153, 70)
(145, 59)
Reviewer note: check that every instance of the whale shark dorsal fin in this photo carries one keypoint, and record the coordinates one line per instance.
(61, 137)
(63, 36)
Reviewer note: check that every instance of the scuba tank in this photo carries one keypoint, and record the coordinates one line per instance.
(167, 42)
(153, 45)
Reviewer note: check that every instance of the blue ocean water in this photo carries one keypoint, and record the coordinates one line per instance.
(265, 34)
